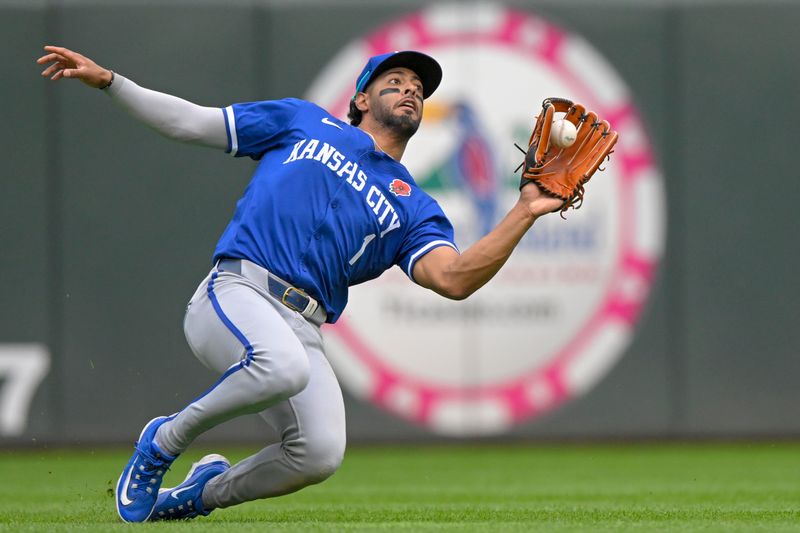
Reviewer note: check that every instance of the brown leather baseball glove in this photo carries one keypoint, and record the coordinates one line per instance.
(562, 172)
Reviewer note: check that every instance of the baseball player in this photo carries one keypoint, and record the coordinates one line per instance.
(329, 206)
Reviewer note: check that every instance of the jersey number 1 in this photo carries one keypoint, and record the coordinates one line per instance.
(360, 252)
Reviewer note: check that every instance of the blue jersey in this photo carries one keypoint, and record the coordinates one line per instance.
(324, 209)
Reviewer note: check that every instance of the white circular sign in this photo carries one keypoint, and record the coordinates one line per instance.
(562, 310)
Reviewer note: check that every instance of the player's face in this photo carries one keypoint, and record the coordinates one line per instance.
(397, 100)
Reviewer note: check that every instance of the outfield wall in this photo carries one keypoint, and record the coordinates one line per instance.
(108, 228)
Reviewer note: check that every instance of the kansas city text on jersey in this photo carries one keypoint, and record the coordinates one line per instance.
(335, 160)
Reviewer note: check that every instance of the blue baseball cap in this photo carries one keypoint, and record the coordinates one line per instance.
(424, 66)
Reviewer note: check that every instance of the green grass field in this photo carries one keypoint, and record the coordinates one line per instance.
(631, 487)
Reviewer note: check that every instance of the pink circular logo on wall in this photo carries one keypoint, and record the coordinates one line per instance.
(562, 311)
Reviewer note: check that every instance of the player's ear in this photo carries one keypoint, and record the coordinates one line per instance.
(361, 102)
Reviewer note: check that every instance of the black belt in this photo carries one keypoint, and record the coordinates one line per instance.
(292, 297)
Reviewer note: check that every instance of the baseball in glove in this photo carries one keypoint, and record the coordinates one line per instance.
(562, 172)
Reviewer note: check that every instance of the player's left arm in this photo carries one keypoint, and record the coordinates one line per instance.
(457, 276)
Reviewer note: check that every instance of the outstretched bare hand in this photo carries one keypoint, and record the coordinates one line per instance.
(69, 64)
(538, 202)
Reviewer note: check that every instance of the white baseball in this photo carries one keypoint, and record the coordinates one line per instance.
(563, 133)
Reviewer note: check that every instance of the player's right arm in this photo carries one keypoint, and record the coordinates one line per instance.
(169, 115)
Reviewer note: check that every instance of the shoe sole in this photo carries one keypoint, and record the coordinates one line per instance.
(210, 458)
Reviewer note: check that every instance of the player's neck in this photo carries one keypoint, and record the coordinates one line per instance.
(386, 140)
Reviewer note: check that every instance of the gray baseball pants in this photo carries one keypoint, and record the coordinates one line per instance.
(272, 363)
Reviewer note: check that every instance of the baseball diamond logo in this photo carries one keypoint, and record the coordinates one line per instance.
(561, 312)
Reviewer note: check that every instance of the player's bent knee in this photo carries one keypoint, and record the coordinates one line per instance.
(322, 462)
(317, 455)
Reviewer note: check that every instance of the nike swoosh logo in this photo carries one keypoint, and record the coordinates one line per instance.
(327, 121)
(184, 489)
(123, 498)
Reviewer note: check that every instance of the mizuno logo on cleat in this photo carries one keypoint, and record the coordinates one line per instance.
(327, 121)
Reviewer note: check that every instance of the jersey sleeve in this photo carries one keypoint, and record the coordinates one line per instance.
(432, 230)
(255, 127)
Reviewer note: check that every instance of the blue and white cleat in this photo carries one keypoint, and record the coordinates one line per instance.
(137, 488)
(186, 500)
